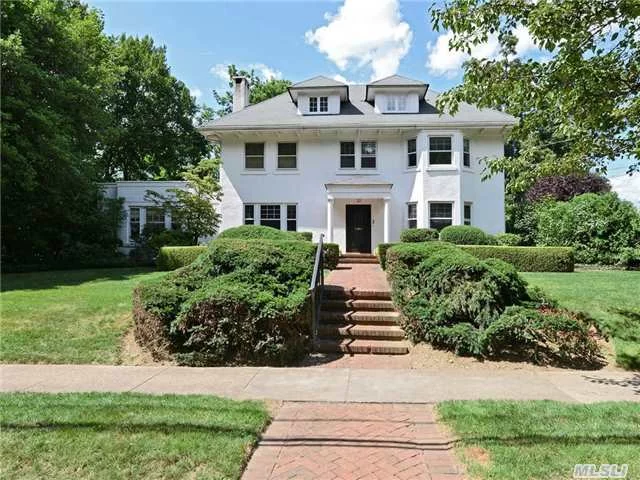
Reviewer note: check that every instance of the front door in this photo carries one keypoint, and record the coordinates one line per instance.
(359, 228)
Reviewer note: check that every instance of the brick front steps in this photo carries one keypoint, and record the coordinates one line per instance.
(354, 320)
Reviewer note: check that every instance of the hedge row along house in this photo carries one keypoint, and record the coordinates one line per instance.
(359, 163)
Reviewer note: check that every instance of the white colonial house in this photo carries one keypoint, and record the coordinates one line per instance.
(359, 163)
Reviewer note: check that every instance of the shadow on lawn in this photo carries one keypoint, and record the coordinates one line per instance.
(63, 278)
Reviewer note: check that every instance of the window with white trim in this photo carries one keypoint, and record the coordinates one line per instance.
(347, 155)
(368, 154)
(254, 156)
(440, 151)
(292, 218)
(412, 215)
(134, 223)
(412, 154)
(287, 158)
(313, 104)
(249, 214)
(466, 152)
(467, 213)
(270, 216)
(324, 104)
(155, 219)
(396, 103)
(440, 214)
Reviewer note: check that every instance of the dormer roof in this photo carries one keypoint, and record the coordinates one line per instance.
(396, 82)
(319, 83)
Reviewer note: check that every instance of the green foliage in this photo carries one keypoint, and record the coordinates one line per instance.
(192, 209)
(528, 259)
(151, 131)
(241, 301)
(259, 89)
(562, 130)
(553, 337)
(598, 227)
(464, 235)
(462, 339)
(508, 239)
(331, 255)
(172, 258)
(307, 236)
(418, 235)
(381, 252)
(249, 232)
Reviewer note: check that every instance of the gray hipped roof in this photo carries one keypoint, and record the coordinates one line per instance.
(319, 81)
(397, 80)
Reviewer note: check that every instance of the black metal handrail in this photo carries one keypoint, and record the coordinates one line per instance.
(316, 287)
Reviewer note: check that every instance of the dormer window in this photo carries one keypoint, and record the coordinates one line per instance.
(396, 103)
(313, 104)
(324, 104)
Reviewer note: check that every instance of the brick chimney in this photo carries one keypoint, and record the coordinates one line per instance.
(240, 93)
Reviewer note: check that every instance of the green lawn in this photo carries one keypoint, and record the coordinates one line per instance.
(76, 316)
(611, 297)
(543, 440)
(117, 436)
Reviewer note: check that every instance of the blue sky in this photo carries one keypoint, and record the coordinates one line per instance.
(359, 40)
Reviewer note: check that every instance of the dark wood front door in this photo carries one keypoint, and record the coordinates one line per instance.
(359, 228)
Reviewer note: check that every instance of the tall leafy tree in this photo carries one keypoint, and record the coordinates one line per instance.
(55, 63)
(579, 103)
(152, 133)
(259, 89)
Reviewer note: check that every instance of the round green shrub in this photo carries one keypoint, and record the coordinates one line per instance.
(464, 235)
(508, 239)
(411, 235)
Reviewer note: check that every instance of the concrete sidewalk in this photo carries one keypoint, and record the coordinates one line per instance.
(327, 385)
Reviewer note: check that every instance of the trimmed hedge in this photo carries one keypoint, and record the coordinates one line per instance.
(465, 235)
(508, 239)
(254, 232)
(306, 236)
(411, 235)
(171, 258)
(241, 301)
(528, 259)
(331, 255)
(381, 252)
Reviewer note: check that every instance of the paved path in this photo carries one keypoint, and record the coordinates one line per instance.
(363, 276)
(328, 384)
(334, 441)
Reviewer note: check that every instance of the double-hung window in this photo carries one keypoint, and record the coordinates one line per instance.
(134, 223)
(412, 156)
(440, 150)
(287, 157)
(254, 156)
(396, 103)
(467, 214)
(412, 215)
(324, 104)
(155, 219)
(466, 153)
(249, 214)
(368, 154)
(347, 155)
(270, 216)
(313, 104)
(440, 214)
(292, 218)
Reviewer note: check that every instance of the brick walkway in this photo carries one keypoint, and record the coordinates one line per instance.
(335, 441)
(366, 276)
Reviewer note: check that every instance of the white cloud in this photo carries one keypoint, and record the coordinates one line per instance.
(441, 60)
(195, 92)
(266, 72)
(364, 32)
(627, 187)
(221, 71)
(339, 78)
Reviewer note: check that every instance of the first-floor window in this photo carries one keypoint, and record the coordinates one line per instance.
(292, 218)
(249, 214)
(412, 215)
(134, 223)
(467, 214)
(270, 216)
(440, 214)
(155, 219)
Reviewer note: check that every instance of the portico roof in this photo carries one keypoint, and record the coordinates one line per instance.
(359, 187)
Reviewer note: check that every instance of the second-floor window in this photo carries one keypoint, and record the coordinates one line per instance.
(347, 155)
(313, 104)
(287, 157)
(440, 150)
(412, 156)
(368, 155)
(254, 156)
(466, 153)
(324, 104)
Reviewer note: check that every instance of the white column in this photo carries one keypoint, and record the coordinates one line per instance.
(329, 220)
(386, 220)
